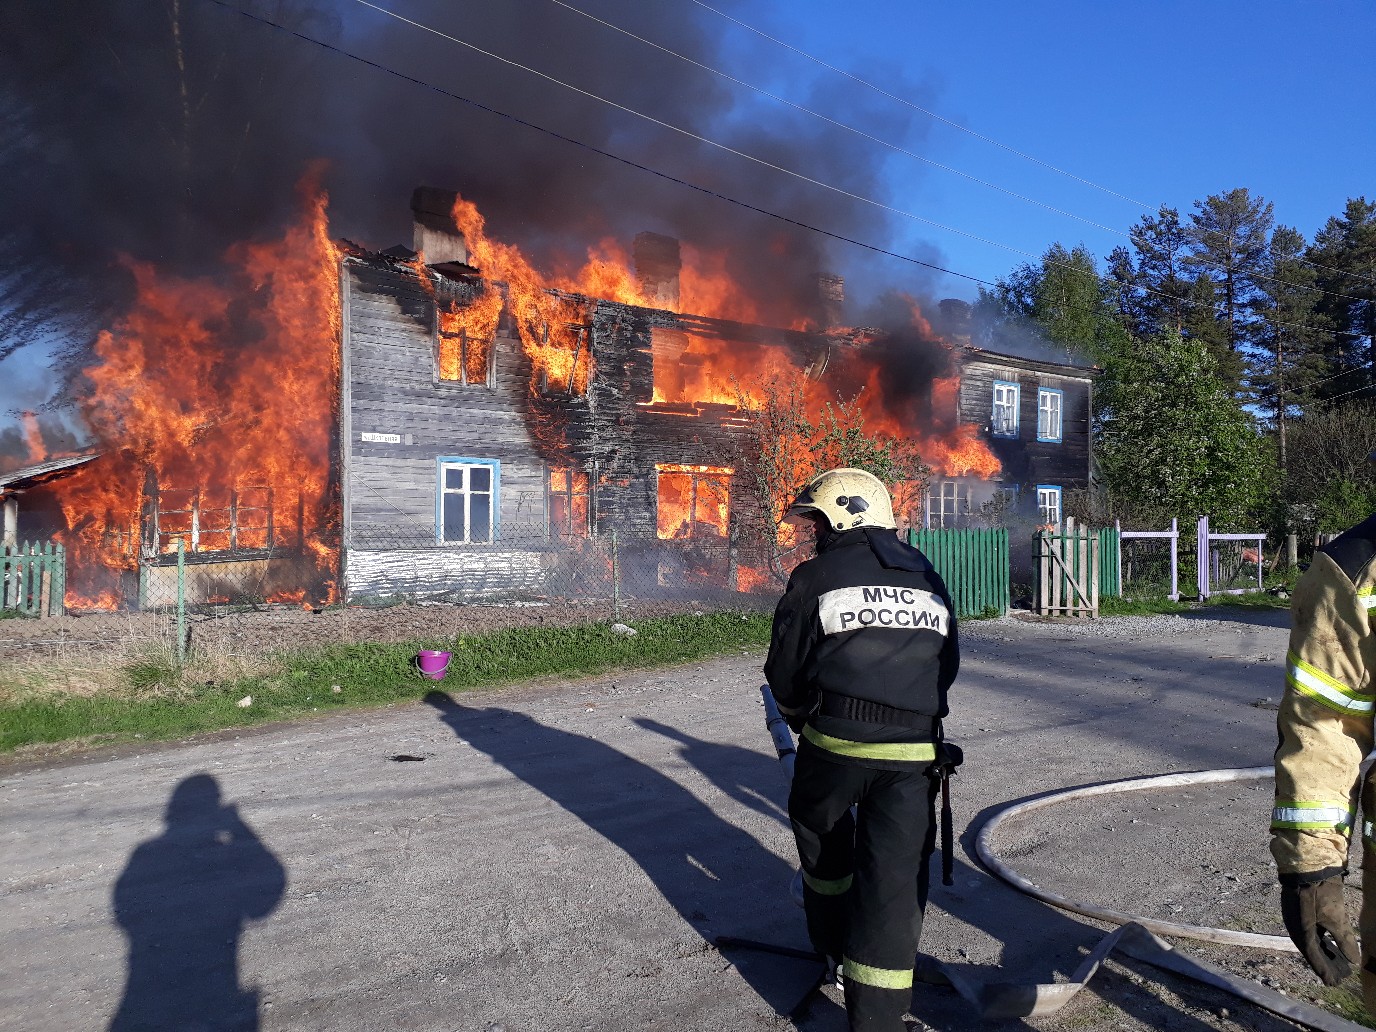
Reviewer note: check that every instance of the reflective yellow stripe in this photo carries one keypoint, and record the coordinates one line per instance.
(1311, 815)
(870, 750)
(1366, 598)
(1312, 682)
(883, 978)
(822, 887)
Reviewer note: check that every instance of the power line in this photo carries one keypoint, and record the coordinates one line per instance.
(605, 153)
(841, 191)
(979, 136)
(835, 122)
(641, 167)
(930, 114)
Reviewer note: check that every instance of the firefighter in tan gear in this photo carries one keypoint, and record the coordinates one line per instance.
(1325, 725)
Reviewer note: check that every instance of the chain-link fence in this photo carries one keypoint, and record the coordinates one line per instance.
(384, 585)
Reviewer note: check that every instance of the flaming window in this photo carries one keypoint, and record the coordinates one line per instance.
(694, 501)
(465, 358)
(562, 359)
(568, 503)
(1004, 420)
(213, 521)
(468, 500)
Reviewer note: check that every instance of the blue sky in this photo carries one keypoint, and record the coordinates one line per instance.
(1163, 103)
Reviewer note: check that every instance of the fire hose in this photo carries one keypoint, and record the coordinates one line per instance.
(1136, 937)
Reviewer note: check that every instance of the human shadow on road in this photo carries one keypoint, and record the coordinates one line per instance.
(717, 877)
(747, 776)
(182, 901)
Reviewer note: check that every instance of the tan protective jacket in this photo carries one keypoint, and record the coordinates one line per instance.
(1325, 718)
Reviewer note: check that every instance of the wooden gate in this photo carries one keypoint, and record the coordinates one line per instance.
(1067, 567)
(33, 579)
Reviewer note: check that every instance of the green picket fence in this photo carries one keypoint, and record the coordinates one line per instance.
(33, 578)
(1110, 566)
(974, 565)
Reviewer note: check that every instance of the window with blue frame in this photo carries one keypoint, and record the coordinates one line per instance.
(1003, 421)
(467, 503)
(1048, 414)
(1049, 504)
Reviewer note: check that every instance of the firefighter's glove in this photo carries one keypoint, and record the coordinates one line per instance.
(1315, 915)
(796, 722)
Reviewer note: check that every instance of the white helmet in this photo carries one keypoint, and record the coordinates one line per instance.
(845, 499)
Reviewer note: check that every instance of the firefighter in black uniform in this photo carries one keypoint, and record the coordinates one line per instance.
(863, 651)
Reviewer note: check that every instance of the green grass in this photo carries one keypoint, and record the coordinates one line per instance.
(1112, 606)
(367, 675)
(1346, 1002)
(1252, 600)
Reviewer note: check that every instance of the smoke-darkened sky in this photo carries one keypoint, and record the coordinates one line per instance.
(167, 130)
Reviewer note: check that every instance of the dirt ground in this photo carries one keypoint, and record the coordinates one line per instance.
(226, 629)
(564, 855)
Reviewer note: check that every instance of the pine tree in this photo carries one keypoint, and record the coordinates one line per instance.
(1345, 253)
(1228, 236)
(1288, 355)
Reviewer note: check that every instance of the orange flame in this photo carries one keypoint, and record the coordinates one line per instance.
(220, 398)
(33, 437)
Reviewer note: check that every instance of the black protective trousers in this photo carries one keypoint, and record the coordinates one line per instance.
(865, 878)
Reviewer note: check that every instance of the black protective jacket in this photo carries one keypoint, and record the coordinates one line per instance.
(864, 647)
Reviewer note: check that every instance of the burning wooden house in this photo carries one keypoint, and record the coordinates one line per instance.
(490, 421)
(328, 421)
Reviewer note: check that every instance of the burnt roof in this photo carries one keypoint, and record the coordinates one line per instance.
(49, 469)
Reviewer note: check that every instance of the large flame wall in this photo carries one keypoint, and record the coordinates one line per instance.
(209, 387)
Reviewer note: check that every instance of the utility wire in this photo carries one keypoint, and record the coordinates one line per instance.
(1197, 259)
(839, 124)
(656, 172)
(964, 129)
(851, 195)
(930, 114)
(605, 153)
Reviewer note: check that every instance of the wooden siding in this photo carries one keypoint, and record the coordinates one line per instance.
(1027, 461)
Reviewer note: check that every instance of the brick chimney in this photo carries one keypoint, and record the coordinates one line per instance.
(831, 292)
(435, 233)
(657, 265)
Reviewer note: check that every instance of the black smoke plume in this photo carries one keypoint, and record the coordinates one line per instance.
(167, 130)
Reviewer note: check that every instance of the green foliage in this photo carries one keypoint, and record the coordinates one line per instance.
(1329, 483)
(1171, 440)
(1345, 251)
(1063, 299)
(1149, 605)
(371, 675)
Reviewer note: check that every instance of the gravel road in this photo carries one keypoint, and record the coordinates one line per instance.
(560, 856)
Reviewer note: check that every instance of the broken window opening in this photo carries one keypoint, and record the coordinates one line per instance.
(569, 510)
(564, 377)
(206, 520)
(466, 359)
(693, 501)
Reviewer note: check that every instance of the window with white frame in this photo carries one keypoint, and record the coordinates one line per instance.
(1048, 414)
(467, 501)
(943, 503)
(1049, 504)
(1003, 422)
